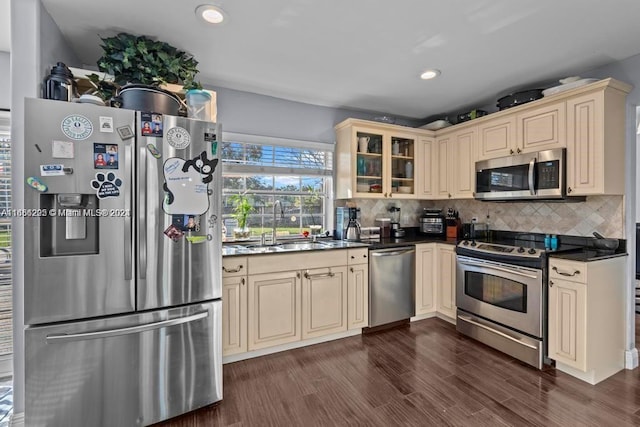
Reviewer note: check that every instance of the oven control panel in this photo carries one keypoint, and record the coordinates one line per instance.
(519, 251)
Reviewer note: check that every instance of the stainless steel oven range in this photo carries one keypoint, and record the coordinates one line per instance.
(501, 296)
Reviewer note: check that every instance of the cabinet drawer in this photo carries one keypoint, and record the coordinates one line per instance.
(568, 270)
(358, 256)
(234, 266)
(296, 260)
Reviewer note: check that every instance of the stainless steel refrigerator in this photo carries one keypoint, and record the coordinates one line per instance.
(122, 265)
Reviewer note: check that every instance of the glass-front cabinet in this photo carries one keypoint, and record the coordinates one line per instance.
(375, 161)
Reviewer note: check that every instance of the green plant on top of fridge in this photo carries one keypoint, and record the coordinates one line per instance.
(142, 60)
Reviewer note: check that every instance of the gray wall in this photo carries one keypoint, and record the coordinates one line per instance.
(36, 43)
(254, 114)
(5, 83)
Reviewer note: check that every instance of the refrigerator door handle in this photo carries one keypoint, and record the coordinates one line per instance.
(128, 161)
(62, 338)
(142, 223)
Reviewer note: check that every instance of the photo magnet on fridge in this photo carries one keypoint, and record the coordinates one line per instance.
(151, 124)
(105, 156)
(186, 222)
(173, 233)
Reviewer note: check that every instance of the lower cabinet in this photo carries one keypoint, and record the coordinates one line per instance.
(274, 309)
(234, 315)
(358, 289)
(324, 301)
(446, 280)
(266, 305)
(586, 317)
(436, 279)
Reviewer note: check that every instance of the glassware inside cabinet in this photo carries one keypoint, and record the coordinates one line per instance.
(368, 162)
(402, 164)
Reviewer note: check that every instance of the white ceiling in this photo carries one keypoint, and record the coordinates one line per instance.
(368, 54)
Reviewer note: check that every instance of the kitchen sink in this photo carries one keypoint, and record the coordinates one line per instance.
(264, 249)
(304, 246)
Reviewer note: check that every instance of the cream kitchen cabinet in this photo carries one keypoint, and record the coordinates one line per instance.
(375, 160)
(427, 168)
(425, 278)
(234, 305)
(596, 140)
(358, 288)
(586, 317)
(446, 280)
(455, 164)
(324, 301)
(275, 304)
(525, 130)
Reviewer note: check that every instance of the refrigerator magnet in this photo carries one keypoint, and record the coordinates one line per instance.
(213, 219)
(106, 185)
(125, 132)
(186, 222)
(62, 150)
(105, 156)
(179, 138)
(154, 151)
(197, 239)
(36, 184)
(151, 124)
(185, 188)
(173, 233)
(106, 124)
(77, 127)
(51, 170)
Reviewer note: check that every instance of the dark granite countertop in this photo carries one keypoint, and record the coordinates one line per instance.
(587, 254)
(412, 237)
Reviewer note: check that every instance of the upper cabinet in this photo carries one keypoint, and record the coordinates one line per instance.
(596, 119)
(531, 129)
(375, 161)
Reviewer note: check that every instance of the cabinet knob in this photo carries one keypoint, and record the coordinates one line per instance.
(352, 257)
(550, 283)
(242, 281)
(298, 274)
(364, 256)
(390, 194)
(569, 190)
(351, 269)
(449, 195)
(519, 151)
(385, 194)
(510, 151)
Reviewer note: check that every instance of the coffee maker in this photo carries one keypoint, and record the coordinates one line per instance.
(347, 224)
(396, 231)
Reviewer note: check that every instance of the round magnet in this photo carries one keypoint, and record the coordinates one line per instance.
(179, 138)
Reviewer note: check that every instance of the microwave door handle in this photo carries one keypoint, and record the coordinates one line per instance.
(532, 166)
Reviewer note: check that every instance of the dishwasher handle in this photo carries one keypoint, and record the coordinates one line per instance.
(392, 252)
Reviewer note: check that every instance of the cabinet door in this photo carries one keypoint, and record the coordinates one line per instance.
(358, 296)
(567, 323)
(462, 165)
(274, 309)
(368, 154)
(542, 128)
(402, 166)
(426, 165)
(444, 159)
(585, 146)
(425, 275)
(234, 315)
(324, 301)
(446, 280)
(497, 138)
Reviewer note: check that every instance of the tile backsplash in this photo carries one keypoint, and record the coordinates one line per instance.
(604, 214)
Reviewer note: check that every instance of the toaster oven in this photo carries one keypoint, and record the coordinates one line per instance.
(432, 223)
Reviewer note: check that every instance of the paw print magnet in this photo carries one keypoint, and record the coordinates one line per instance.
(106, 185)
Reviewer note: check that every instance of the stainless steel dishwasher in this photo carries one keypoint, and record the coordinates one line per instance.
(391, 285)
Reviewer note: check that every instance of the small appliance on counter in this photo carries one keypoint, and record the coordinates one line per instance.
(347, 223)
(432, 222)
(454, 225)
(369, 233)
(396, 230)
(385, 226)
(475, 230)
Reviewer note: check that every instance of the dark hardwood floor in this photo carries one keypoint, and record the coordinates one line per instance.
(423, 374)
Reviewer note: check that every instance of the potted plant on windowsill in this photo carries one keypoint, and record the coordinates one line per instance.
(241, 210)
(140, 65)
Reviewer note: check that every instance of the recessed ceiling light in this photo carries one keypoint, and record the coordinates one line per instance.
(209, 13)
(430, 74)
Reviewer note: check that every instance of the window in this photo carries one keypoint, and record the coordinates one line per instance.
(264, 170)
(6, 341)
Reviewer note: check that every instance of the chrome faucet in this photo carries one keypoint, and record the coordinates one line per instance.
(276, 203)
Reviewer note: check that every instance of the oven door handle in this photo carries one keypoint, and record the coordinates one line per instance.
(502, 334)
(532, 165)
(498, 268)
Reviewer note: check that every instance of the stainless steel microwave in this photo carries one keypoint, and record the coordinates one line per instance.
(539, 175)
